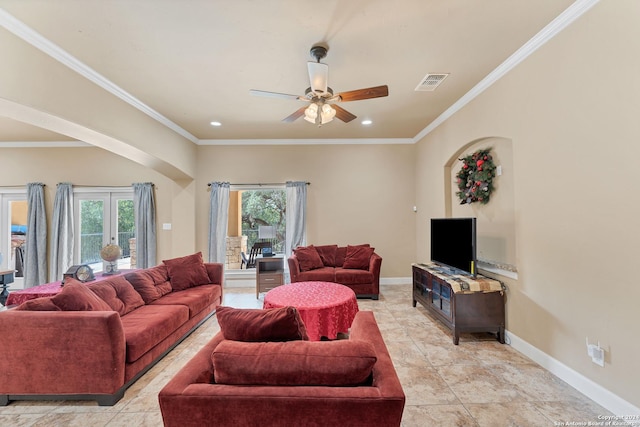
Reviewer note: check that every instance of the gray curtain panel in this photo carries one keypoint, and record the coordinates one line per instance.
(61, 232)
(144, 208)
(296, 216)
(35, 263)
(218, 221)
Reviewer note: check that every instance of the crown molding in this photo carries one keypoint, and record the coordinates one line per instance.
(328, 141)
(40, 42)
(562, 21)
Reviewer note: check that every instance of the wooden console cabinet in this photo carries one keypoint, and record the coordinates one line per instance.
(459, 306)
(269, 273)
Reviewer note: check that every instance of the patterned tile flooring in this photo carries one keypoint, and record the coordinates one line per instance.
(477, 383)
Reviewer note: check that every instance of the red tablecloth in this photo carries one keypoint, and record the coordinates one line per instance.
(47, 290)
(325, 308)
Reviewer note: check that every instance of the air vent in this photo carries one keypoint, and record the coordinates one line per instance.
(430, 82)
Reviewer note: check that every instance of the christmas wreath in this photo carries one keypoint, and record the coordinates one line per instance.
(475, 178)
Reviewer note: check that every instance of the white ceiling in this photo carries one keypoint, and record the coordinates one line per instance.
(194, 61)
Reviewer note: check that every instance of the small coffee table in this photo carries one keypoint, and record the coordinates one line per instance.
(325, 308)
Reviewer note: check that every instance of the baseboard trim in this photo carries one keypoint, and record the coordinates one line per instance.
(396, 281)
(584, 385)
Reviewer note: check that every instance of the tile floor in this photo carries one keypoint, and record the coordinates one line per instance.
(477, 383)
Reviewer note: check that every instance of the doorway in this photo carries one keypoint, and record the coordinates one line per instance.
(13, 233)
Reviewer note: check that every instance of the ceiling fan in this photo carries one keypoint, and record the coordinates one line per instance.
(321, 100)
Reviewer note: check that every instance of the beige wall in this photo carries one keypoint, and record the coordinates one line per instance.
(571, 110)
(96, 167)
(358, 193)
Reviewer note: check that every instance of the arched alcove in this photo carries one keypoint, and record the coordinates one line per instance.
(496, 219)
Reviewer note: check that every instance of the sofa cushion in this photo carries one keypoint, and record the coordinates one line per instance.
(324, 274)
(341, 253)
(196, 299)
(38, 304)
(357, 257)
(147, 326)
(274, 324)
(187, 271)
(76, 296)
(353, 277)
(308, 258)
(327, 254)
(320, 363)
(150, 283)
(118, 293)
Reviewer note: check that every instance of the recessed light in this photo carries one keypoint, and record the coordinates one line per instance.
(216, 124)
(367, 122)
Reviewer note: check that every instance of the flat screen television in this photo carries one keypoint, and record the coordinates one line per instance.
(453, 243)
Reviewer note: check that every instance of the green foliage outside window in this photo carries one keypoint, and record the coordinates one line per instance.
(264, 207)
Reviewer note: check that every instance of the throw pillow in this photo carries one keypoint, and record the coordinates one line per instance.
(118, 293)
(250, 324)
(150, 283)
(308, 258)
(357, 257)
(38, 304)
(327, 254)
(187, 271)
(321, 363)
(341, 253)
(76, 296)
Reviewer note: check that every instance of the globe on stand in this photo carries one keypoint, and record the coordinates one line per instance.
(110, 254)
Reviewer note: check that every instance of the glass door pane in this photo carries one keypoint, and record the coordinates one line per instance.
(92, 234)
(125, 230)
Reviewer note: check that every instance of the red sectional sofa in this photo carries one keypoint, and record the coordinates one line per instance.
(93, 340)
(357, 267)
(229, 382)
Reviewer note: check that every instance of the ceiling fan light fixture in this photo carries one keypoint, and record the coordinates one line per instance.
(311, 113)
(327, 113)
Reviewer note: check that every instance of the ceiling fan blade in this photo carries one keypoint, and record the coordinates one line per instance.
(295, 115)
(343, 114)
(276, 95)
(318, 77)
(370, 92)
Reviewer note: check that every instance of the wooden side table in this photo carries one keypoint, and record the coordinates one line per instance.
(269, 273)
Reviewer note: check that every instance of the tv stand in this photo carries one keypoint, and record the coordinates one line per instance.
(460, 302)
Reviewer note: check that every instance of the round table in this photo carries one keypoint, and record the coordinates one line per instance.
(325, 308)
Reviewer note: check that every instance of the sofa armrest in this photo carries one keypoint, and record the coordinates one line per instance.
(215, 271)
(375, 262)
(61, 352)
(294, 268)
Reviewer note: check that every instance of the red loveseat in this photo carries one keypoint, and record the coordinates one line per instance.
(271, 384)
(93, 340)
(357, 267)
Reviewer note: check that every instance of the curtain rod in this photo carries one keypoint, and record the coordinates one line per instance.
(19, 186)
(109, 186)
(260, 184)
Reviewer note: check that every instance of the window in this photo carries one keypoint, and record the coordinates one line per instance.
(102, 217)
(249, 210)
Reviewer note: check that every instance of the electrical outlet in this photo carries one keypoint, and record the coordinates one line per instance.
(596, 353)
(598, 356)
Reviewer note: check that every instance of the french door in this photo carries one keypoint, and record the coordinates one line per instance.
(13, 233)
(102, 218)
